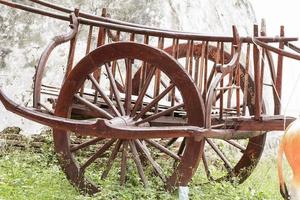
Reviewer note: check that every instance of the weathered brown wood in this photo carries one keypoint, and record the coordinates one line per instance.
(138, 163)
(98, 154)
(111, 159)
(163, 149)
(56, 41)
(227, 164)
(122, 127)
(188, 53)
(262, 124)
(128, 86)
(257, 76)
(238, 82)
(87, 50)
(85, 144)
(202, 63)
(104, 96)
(139, 100)
(263, 32)
(124, 163)
(157, 115)
(155, 165)
(205, 164)
(95, 108)
(190, 68)
(157, 80)
(205, 70)
(216, 61)
(221, 84)
(100, 42)
(246, 78)
(139, 29)
(278, 83)
(237, 145)
(154, 101)
(115, 63)
(114, 89)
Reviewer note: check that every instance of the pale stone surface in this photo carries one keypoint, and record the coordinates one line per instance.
(23, 36)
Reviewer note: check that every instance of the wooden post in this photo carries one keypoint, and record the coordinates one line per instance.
(257, 76)
(71, 51)
(100, 42)
(278, 83)
(263, 32)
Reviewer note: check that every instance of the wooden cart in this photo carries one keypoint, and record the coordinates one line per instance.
(157, 97)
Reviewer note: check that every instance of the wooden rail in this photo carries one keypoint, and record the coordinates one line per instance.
(148, 31)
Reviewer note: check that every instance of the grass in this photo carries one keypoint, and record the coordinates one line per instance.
(25, 174)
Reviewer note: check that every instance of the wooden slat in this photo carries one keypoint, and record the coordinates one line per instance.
(111, 159)
(190, 68)
(221, 83)
(246, 79)
(158, 75)
(71, 55)
(100, 42)
(188, 54)
(257, 77)
(144, 89)
(128, 86)
(87, 50)
(144, 68)
(279, 72)
(124, 163)
(205, 71)
(138, 163)
(201, 70)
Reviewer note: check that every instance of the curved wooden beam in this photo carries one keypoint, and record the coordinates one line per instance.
(276, 50)
(222, 71)
(56, 41)
(142, 30)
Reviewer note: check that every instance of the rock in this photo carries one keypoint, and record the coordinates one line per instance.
(10, 130)
(25, 36)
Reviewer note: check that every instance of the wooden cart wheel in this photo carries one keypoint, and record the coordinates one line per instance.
(247, 152)
(88, 160)
(230, 159)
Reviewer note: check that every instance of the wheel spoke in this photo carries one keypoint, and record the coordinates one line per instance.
(120, 73)
(85, 144)
(124, 163)
(237, 145)
(128, 63)
(155, 165)
(138, 163)
(163, 149)
(172, 141)
(93, 107)
(114, 88)
(104, 96)
(208, 174)
(154, 101)
(181, 148)
(97, 155)
(143, 91)
(220, 154)
(155, 116)
(111, 159)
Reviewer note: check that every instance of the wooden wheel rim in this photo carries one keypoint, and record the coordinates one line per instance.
(193, 106)
(250, 158)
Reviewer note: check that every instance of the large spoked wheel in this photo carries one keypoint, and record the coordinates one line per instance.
(230, 159)
(88, 160)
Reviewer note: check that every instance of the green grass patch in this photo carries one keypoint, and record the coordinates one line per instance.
(25, 174)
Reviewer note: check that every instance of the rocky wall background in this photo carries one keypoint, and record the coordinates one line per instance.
(23, 36)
